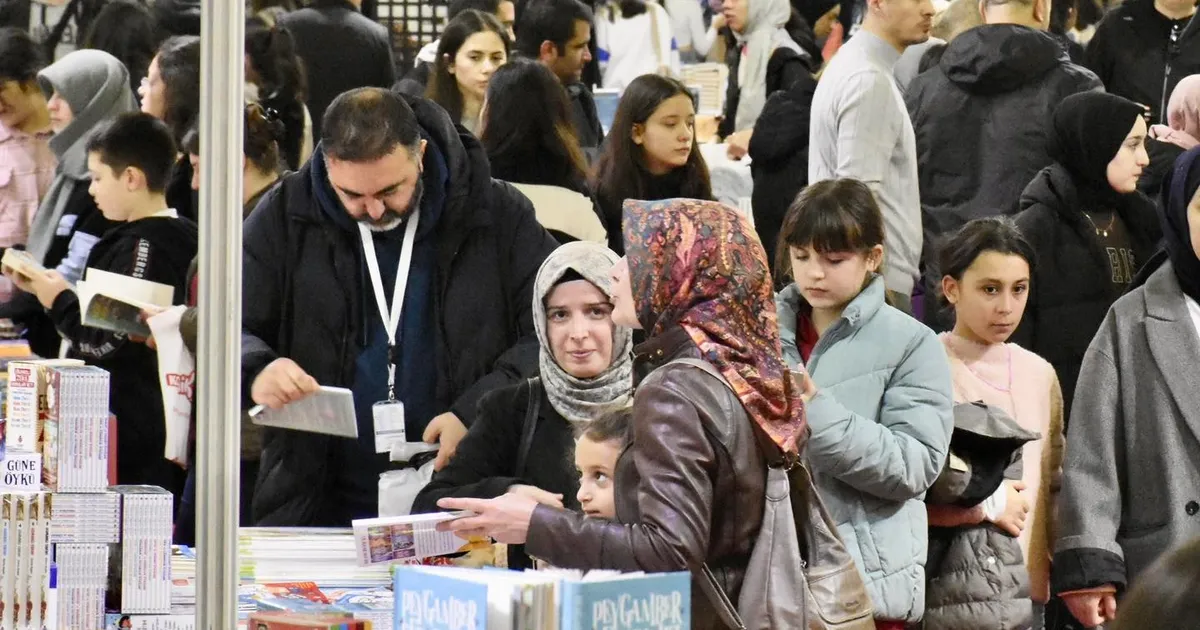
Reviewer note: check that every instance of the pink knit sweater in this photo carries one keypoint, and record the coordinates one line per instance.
(1026, 387)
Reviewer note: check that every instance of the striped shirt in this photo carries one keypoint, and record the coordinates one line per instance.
(26, 171)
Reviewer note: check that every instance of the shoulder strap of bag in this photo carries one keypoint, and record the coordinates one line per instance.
(531, 415)
(726, 609)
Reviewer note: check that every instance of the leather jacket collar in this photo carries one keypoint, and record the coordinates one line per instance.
(657, 351)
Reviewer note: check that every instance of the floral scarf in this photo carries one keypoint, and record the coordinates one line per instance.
(699, 265)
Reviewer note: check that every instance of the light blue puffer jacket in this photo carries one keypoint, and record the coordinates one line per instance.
(881, 425)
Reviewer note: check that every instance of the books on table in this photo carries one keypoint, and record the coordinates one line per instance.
(329, 411)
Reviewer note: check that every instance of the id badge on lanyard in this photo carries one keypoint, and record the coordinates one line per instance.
(389, 414)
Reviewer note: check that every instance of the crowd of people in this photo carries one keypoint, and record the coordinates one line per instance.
(965, 296)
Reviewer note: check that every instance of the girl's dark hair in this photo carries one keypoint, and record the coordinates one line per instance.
(991, 234)
(260, 142)
(443, 87)
(179, 66)
(614, 425)
(835, 215)
(621, 171)
(127, 30)
(527, 126)
(1164, 595)
(282, 83)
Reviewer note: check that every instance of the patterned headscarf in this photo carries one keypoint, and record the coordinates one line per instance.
(580, 399)
(699, 265)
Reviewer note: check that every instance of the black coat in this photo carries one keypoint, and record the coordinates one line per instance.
(983, 119)
(485, 464)
(1071, 289)
(1134, 57)
(586, 120)
(779, 159)
(785, 69)
(342, 50)
(155, 249)
(305, 299)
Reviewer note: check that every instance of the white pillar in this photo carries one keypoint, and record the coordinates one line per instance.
(219, 348)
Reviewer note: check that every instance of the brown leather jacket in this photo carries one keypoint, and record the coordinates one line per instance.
(689, 489)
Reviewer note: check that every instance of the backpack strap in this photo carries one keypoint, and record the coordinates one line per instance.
(531, 415)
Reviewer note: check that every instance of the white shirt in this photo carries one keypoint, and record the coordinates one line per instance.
(1194, 311)
(626, 48)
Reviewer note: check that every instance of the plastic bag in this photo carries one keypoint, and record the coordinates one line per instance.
(399, 488)
(177, 379)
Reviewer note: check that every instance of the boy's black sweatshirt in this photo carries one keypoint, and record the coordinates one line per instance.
(158, 249)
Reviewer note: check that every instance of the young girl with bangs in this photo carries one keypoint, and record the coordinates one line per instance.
(881, 416)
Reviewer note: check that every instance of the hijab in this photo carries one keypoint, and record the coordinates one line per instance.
(764, 33)
(1183, 115)
(581, 399)
(1179, 188)
(1090, 128)
(700, 265)
(96, 86)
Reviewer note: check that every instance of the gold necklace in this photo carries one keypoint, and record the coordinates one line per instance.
(1099, 232)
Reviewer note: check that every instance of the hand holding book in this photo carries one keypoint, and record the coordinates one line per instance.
(505, 519)
(282, 382)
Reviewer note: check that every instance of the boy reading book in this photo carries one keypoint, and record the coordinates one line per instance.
(129, 161)
(600, 444)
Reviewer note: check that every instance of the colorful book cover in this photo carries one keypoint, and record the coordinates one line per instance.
(659, 601)
(298, 597)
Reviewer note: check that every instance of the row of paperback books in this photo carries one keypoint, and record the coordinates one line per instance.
(107, 552)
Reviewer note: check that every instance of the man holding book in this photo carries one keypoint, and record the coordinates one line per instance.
(393, 265)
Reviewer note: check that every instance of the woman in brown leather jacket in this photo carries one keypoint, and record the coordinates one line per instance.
(690, 487)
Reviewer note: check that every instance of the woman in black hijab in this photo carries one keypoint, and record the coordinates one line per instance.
(1130, 478)
(1088, 224)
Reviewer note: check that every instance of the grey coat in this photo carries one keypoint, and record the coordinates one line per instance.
(1131, 478)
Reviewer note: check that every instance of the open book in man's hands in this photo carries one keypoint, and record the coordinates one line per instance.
(115, 302)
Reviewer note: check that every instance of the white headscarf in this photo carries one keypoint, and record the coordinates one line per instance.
(764, 33)
(579, 399)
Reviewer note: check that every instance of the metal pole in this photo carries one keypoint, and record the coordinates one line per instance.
(219, 348)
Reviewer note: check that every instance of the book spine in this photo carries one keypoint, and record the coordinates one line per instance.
(22, 406)
(8, 563)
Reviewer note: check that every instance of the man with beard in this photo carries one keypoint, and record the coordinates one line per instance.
(391, 264)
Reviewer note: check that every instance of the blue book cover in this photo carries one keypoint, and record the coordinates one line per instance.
(433, 601)
(661, 601)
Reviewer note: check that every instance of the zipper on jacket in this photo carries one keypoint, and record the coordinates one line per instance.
(1172, 52)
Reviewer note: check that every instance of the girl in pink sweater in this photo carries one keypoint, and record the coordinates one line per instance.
(986, 268)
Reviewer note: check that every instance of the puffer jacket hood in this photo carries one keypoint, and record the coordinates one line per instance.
(999, 58)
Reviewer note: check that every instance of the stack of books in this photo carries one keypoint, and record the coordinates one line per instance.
(327, 557)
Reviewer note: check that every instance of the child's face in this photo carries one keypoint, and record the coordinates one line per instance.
(596, 462)
(991, 297)
(110, 190)
(830, 280)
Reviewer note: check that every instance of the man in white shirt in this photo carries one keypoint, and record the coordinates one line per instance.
(860, 129)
